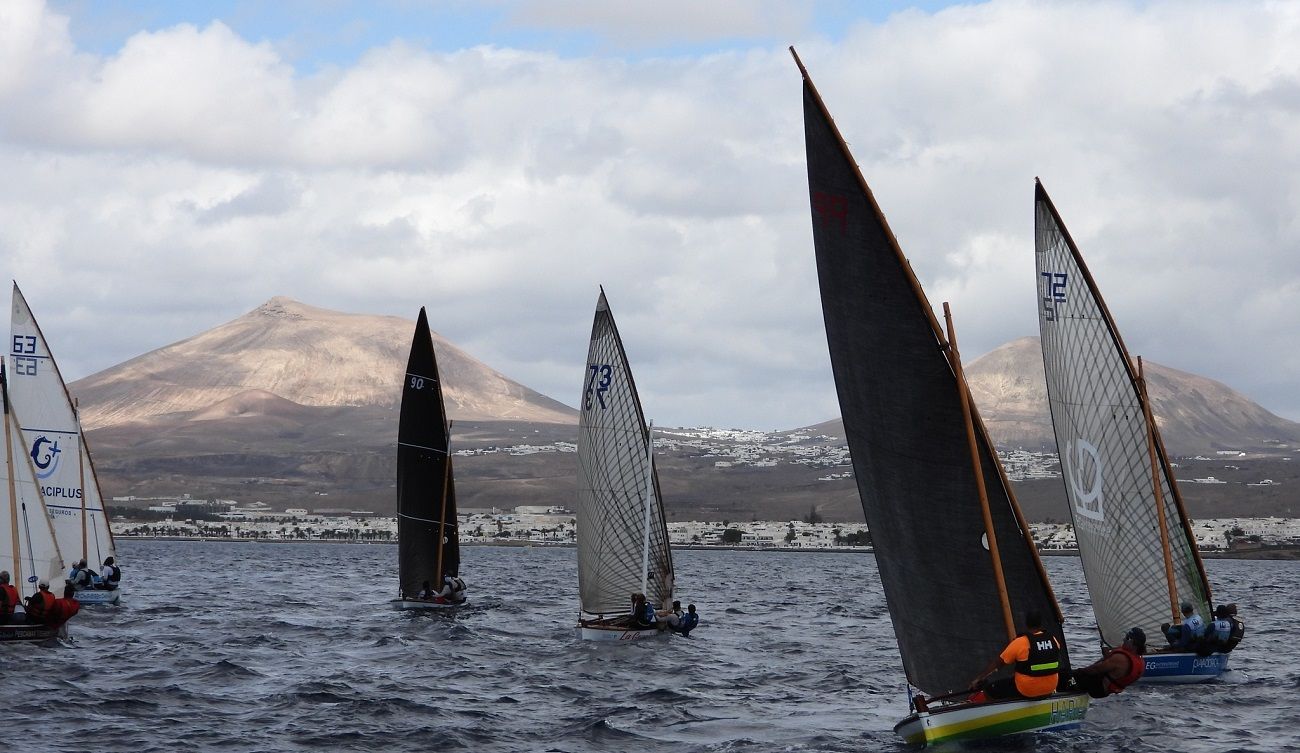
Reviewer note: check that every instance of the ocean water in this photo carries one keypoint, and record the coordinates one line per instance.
(292, 647)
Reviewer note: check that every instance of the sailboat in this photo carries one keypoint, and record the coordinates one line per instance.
(1139, 555)
(956, 558)
(622, 535)
(52, 436)
(28, 550)
(428, 538)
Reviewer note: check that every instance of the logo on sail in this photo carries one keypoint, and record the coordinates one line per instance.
(1081, 463)
(45, 456)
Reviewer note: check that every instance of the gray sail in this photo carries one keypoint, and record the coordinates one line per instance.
(1103, 440)
(907, 437)
(616, 483)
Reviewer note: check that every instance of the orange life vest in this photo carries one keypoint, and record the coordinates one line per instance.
(8, 598)
(61, 611)
(1136, 666)
(40, 604)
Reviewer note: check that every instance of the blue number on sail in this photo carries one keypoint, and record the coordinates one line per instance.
(24, 344)
(598, 389)
(1055, 282)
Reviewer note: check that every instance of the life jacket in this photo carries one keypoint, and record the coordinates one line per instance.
(8, 599)
(1222, 628)
(112, 574)
(1044, 656)
(646, 615)
(61, 611)
(1136, 666)
(687, 623)
(1234, 637)
(39, 604)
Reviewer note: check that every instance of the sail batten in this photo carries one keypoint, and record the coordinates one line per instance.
(1107, 441)
(427, 535)
(620, 517)
(900, 401)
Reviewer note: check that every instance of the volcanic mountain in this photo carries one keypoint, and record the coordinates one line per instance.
(1195, 414)
(284, 355)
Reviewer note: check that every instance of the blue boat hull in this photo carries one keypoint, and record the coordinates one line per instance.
(1184, 667)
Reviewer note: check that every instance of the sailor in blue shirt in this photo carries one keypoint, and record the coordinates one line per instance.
(1221, 628)
(1189, 633)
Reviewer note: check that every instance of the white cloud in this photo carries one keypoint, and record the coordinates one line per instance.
(192, 174)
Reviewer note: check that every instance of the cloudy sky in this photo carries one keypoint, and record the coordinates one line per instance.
(168, 166)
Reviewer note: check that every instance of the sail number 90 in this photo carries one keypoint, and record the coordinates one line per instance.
(597, 384)
(417, 383)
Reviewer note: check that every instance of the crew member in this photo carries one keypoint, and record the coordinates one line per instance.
(687, 622)
(8, 599)
(643, 614)
(452, 591)
(1036, 655)
(39, 604)
(1221, 628)
(109, 576)
(1238, 629)
(63, 609)
(1186, 635)
(1118, 667)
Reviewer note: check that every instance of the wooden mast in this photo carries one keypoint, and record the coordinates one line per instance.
(1159, 493)
(442, 515)
(954, 358)
(81, 476)
(13, 491)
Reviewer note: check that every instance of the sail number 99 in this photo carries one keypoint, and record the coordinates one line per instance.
(597, 384)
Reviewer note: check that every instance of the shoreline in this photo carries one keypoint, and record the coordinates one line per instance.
(1276, 553)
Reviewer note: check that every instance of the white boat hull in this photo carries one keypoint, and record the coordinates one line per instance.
(973, 721)
(1181, 668)
(97, 596)
(610, 633)
(422, 604)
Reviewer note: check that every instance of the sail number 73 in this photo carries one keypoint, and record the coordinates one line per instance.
(597, 384)
(1053, 293)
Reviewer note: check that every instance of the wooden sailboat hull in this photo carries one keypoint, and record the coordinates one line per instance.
(1182, 668)
(15, 633)
(972, 721)
(422, 604)
(591, 631)
(99, 597)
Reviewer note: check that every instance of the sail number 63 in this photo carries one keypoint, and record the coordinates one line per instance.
(597, 384)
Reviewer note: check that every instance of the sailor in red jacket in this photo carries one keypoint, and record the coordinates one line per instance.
(8, 599)
(39, 604)
(1118, 668)
(64, 609)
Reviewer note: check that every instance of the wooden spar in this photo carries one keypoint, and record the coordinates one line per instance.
(442, 515)
(954, 358)
(1159, 493)
(81, 479)
(649, 500)
(13, 491)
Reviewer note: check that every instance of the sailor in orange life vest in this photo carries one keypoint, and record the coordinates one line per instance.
(63, 609)
(1036, 655)
(1118, 667)
(39, 604)
(8, 599)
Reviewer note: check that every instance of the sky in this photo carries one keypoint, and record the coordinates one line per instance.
(169, 166)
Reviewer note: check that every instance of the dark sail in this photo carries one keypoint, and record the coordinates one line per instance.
(426, 492)
(907, 436)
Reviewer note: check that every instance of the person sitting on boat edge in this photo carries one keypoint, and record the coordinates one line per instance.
(8, 599)
(80, 575)
(1117, 669)
(110, 576)
(1036, 656)
(452, 591)
(39, 604)
(687, 622)
(1238, 629)
(668, 618)
(643, 613)
(63, 609)
(1185, 635)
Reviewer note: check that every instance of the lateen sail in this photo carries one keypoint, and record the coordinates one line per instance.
(28, 549)
(613, 454)
(1102, 437)
(426, 492)
(906, 433)
(52, 436)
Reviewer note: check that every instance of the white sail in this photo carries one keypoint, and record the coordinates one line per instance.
(1104, 443)
(28, 550)
(52, 436)
(614, 462)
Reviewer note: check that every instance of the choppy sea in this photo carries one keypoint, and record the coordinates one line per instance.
(290, 647)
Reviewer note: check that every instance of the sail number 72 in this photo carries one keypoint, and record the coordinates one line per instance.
(597, 384)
